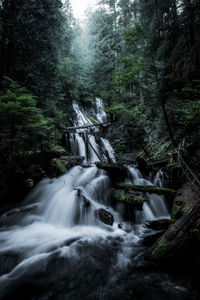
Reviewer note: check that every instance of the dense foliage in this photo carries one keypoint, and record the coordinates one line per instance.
(145, 63)
(37, 74)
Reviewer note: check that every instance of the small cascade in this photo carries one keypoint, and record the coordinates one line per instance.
(81, 118)
(107, 147)
(101, 115)
(79, 145)
(156, 207)
(88, 147)
(94, 153)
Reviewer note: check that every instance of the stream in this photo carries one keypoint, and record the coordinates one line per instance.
(54, 246)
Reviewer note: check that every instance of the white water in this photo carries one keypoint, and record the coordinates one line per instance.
(156, 207)
(79, 145)
(101, 115)
(62, 215)
(107, 147)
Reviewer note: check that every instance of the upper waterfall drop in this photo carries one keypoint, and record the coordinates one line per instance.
(101, 114)
(84, 141)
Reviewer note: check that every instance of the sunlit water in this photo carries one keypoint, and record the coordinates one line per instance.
(54, 246)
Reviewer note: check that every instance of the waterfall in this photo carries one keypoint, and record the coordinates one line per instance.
(101, 115)
(80, 145)
(107, 147)
(57, 244)
(155, 208)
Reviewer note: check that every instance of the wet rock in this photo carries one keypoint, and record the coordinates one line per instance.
(104, 216)
(120, 226)
(29, 208)
(126, 227)
(180, 244)
(151, 238)
(86, 202)
(185, 201)
(17, 211)
(142, 166)
(160, 224)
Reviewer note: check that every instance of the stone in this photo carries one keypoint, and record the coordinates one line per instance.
(86, 202)
(104, 216)
(160, 224)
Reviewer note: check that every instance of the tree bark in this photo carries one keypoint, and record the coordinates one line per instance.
(181, 242)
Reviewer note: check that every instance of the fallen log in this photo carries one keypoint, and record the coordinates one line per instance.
(110, 167)
(134, 198)
(148, 189)
(86, 126)
(126, 162)
(115, 171)
(181, 242)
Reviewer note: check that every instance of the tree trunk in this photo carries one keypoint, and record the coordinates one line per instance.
(181, 242)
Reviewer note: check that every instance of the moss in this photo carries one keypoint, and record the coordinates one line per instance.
(59, 167)
(35, 171)
(177, 211)
(180, 208)
(92, 119)
(58, 150)
(29, 183)
(166, 249)
(136, 200)
(161, 150)
(148, 189)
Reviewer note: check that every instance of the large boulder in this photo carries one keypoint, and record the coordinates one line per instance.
(104, 216)
(160, 224)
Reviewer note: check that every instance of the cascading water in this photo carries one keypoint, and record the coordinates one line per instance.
(55, 247)
(155, 208)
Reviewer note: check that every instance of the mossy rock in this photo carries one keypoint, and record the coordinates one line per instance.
(133, 198)
(167, 248)
(184, 202)
(148, 189)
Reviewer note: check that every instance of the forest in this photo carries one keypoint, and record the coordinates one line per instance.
(142, 58)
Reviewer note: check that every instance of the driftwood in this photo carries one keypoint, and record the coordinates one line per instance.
(147, 189)
(181, 242)
(88, 126)
(110, 167)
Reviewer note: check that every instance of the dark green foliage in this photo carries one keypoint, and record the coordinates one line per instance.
(23, 126)
(145, 62)
(32, 43)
